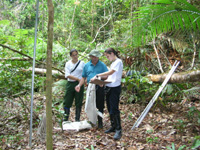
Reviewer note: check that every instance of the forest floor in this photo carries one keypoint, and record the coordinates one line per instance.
(175, 124)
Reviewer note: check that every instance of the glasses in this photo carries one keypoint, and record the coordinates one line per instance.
(74, 55)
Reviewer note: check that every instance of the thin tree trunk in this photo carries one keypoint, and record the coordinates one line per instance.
(92, 28)
(49, 140)
(72, 25)
(100, 29)
(156, 51)
(131, 22)
(194, 45)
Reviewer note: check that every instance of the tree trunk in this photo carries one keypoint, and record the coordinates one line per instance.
(92, 12)
(72, 25)
(49, 141)
(190, 76)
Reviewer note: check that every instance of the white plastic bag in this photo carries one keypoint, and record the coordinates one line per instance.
(90, 105)
(76, 126)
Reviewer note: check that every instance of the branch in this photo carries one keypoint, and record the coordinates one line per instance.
(72, 25)
(100, 29)
(15, 59)
(194, 52)
(157, 56)
(29, 57)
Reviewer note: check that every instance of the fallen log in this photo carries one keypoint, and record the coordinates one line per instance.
(189, 76)
(15, 59)
(42, 72)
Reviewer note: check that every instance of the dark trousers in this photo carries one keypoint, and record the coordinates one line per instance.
(71, 94)
(100, 98)
(112, 100)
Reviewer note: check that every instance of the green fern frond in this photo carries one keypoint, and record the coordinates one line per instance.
(165, 16)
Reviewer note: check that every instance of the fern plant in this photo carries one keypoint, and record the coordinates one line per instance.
(165, 16)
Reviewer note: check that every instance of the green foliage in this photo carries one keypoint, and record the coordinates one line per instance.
(174, 148)
(58, 91)
(180, 125)
(92, 148)
(165, 16)
(152, 139)
(59, 87)
(11, 140)
(139, 86)
(195, 145)
(194, 115)
(13, 80)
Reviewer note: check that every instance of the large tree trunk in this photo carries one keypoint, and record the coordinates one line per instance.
(49, 141)
(189, 76)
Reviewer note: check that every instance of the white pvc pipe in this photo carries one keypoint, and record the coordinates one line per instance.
(146, 110)
(33, 74)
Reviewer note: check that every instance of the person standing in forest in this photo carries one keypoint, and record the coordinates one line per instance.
(73, 73)
(93, 67)
(113, 94)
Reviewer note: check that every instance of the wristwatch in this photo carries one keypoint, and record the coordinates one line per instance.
(98, 77)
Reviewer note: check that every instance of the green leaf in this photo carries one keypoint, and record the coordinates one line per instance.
(5, 22)
(196, 144)
(181, 147)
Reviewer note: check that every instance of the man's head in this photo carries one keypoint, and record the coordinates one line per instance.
(94, 55)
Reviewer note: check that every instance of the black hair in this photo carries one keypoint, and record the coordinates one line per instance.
(110, 50)
(72, 50)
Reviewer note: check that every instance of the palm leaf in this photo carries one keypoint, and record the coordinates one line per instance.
(164, 16)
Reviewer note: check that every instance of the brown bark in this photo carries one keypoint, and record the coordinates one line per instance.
(189, 76)
(49, 124)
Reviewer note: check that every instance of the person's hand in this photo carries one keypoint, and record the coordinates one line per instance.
(93, 79)
(77, 88)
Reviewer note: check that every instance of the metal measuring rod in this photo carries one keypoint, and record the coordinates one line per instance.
(148, 107)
